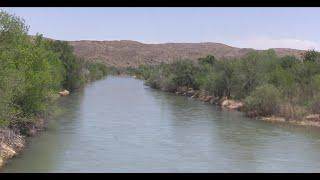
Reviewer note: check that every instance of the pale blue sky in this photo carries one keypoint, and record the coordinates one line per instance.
(242, 27)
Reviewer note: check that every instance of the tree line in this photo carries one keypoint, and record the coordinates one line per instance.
(267, 84)
(33, 70)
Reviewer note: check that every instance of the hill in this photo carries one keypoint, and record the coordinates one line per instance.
(126, 53)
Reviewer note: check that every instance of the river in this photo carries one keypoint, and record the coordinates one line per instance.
(120, 125)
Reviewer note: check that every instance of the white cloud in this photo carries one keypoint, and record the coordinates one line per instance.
(266, 43)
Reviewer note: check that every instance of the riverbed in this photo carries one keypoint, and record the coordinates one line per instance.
(120, 125)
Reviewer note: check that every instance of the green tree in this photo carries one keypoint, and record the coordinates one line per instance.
(184, 71)
(311, 56)
(288, 61)
(210, 60)
(32, 69)
(74, 66)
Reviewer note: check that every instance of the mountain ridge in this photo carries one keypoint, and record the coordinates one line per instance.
(129, 53)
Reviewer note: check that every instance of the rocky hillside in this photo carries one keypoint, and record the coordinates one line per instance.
(131, 53)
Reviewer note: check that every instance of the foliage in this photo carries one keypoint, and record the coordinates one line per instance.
(34, 68)
(266, 82)
(311, 56)
(264, 100)
(210, 60)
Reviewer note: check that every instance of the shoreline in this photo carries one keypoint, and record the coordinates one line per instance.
(235, 105)
(12, 141)
(10, 145)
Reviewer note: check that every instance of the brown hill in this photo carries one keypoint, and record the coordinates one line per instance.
(131, 53)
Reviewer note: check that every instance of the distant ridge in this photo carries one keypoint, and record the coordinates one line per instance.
(127, 53)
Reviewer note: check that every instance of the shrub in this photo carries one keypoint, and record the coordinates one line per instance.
(168, 84)
(214, 84)
(288, 61)
(184, 71)
(311, 56)
(210, 60)
(264, 100)
(154, 80)
(96, 71)
(315, 105)
(31, 69)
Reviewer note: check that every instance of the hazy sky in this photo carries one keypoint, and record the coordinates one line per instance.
(258, 28)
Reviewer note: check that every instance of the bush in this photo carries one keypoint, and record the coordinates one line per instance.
(154, 80)
(96, 71)
(73, 65)
(31, 69)
(288, 61)
(210, 60)
(184, 71)
(311, 56)
(259, 78)
(214, 84)
(264, 100)
(168, 84)
(315, 105)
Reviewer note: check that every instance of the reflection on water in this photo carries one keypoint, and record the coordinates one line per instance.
(120, 125)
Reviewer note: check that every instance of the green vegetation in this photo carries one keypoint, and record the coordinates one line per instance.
(267, 84)
(33, 70)
(264, 100)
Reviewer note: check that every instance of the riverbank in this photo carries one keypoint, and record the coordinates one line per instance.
(266, 83)
(33, 70)
(13, 141)
(235, 105)
(126, 127)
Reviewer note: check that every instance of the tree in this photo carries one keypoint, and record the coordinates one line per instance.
(220, 80)
(74, 66)
(207, 60)
(215, 84)
(32, 69)
(12, 30)
(264, 100)
(287, 62)
(247, 75)
(311, 56)
(184, 71)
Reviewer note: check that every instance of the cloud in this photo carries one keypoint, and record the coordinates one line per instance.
(266, 43)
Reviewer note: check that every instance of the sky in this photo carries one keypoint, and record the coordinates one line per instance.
(259, 28)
